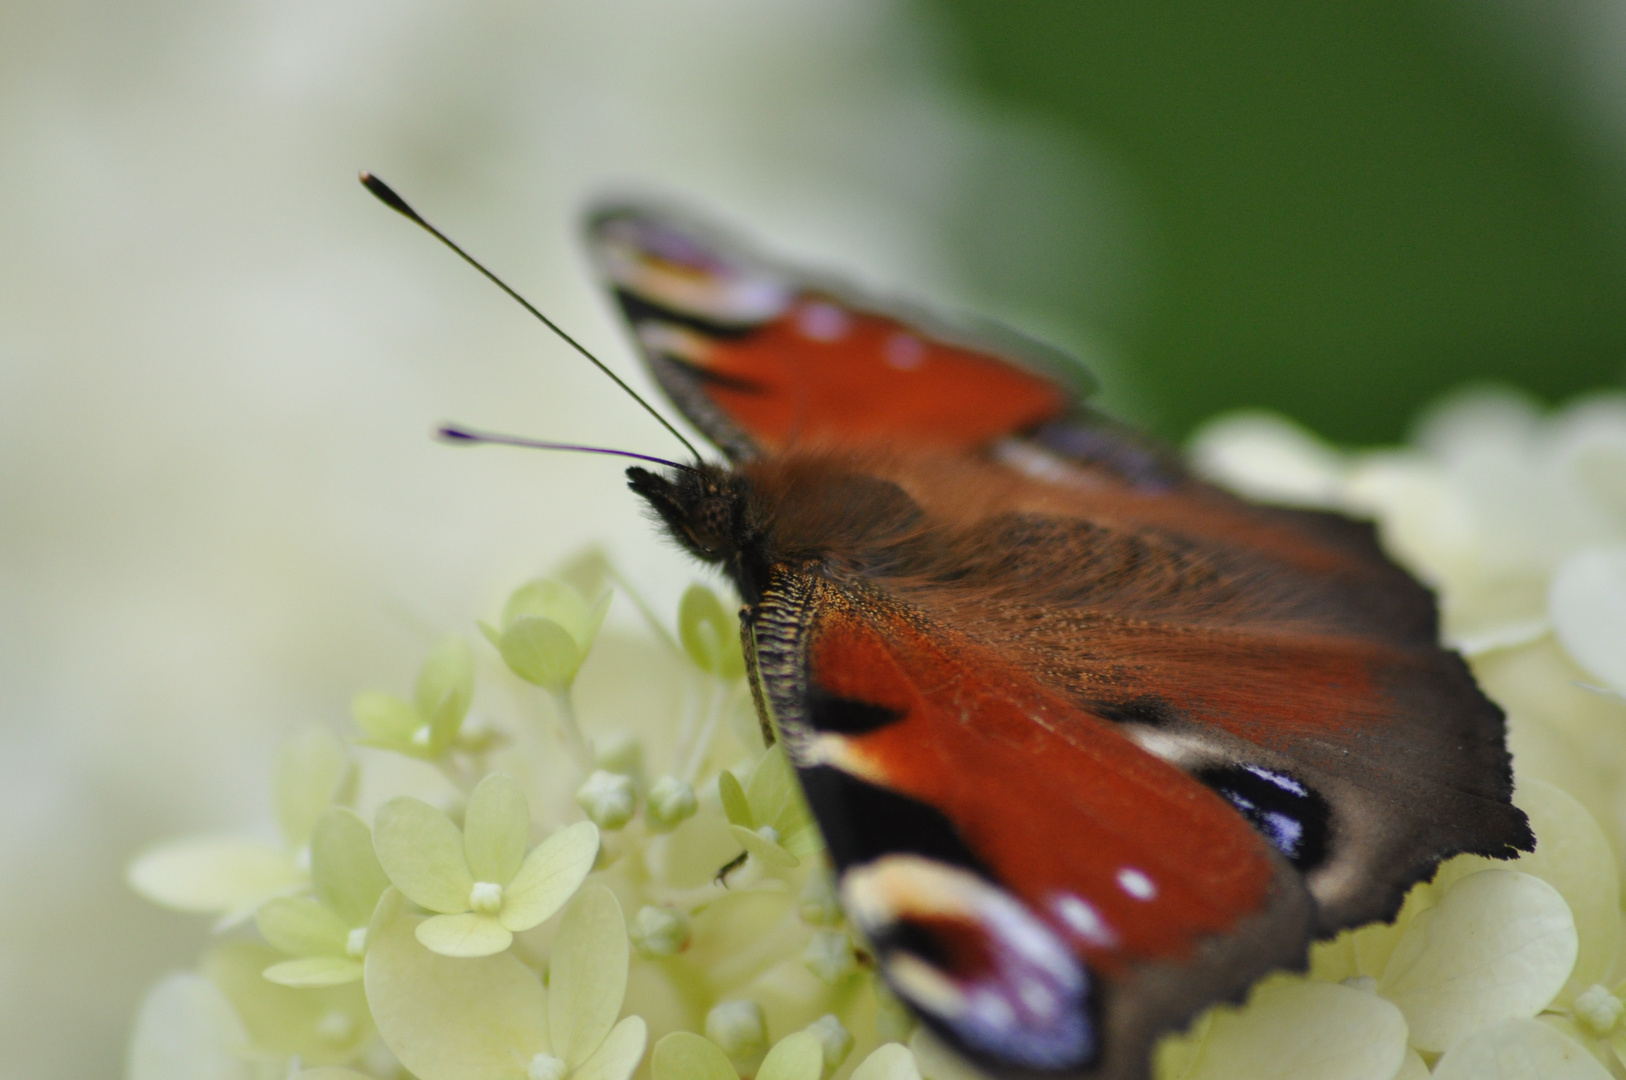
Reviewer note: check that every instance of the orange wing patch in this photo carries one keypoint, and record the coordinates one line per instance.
(749, 350)
(825, 374)
(1122, 853)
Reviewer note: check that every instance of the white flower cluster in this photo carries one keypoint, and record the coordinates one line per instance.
(557, 911)
(1517, 519)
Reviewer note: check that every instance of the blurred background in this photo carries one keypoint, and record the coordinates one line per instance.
(221, 513)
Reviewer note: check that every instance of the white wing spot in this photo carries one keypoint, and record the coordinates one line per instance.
(1136, 884)
(823, 322)
(1082, 919)
(904, 352)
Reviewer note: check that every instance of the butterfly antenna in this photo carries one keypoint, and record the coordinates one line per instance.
(453, 433)
(386, 195)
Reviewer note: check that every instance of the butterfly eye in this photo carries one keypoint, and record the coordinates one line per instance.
(710, 524)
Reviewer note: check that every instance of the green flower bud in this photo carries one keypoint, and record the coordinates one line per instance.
(829, 955)
(834, 1039)
(740, 1029)
(657, 931)
(608, 799)
(671, 802)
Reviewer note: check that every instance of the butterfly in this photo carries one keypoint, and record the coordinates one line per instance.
(1093, 744)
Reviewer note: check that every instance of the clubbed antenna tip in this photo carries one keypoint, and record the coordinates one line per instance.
(386, 195)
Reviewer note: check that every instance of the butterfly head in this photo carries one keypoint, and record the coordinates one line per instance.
(704, 509)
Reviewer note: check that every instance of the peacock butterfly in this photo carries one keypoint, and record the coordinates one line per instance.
(1093, 744)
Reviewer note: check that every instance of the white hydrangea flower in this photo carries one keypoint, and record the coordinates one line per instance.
(1518, 520)
(231, 876)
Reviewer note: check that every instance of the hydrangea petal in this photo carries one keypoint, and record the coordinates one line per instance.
(1265, 456)
(213, 874)
(890, 1061)
(445, 687)
(1588, 603)
(936, 1061)
(323, 1025)
(1519, 1049)
(549, 876)
(1498, 946)
(302, 926)
(313, 771)
(540, 651)
(595, 619)
(683, 1055)
(329, 1072)
(587, 977)
(453, 1019)
(553, 600)
(186, 1030)
(1413, 1068)
(315, 971)
(385, 718)
(736, 808)
(762, 849)
(467, 934)
(345, 872)
(618, 1056)
(776, 799)
(1567, 1026)
(795, 1057)
(422, 852)
(772, 793)
(496, 829)
(1573, 856)
(1314, 1031)
(710, 634)
(1175, 1055)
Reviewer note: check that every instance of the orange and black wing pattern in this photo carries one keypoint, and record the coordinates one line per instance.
(762, 359)
(1044, 893)
(1093, 744)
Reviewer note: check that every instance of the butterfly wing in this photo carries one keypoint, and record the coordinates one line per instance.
(760, 357)
(1044, 893)
(1024, 659)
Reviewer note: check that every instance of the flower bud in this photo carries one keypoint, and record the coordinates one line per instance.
(829, 955)
(740, 1029)
(608, 799)
(1598, 1009)
(657, 931)
(545, 1066)
(671, 802)
(834, 1039)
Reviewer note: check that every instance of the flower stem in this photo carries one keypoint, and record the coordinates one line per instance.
(576, 743)
(715, 707)
(644, 608)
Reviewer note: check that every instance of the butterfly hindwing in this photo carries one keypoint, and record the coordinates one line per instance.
(1026, 874)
